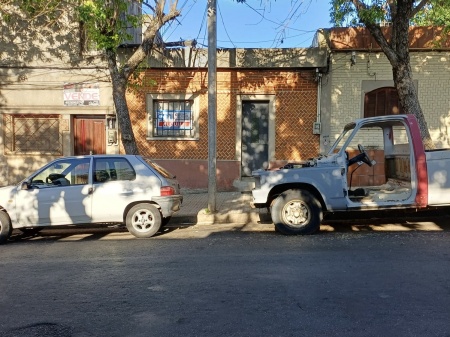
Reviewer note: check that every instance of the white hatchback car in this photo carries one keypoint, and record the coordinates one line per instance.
(92, 189)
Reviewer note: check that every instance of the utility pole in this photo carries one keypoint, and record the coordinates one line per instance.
(212, 104)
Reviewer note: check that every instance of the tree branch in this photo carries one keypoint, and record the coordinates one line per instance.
(418, 7)
(376, 32)
(159, 19)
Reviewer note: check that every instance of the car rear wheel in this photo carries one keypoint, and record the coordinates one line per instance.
(143, 220)
(296, 212)
(5, 227)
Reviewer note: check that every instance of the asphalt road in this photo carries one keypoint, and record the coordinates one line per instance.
(196, 282)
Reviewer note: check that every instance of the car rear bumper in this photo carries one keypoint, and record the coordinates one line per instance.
(169, 205)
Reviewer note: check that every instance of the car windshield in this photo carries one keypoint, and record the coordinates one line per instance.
(161, 170)
(342, 139)
(63, 172)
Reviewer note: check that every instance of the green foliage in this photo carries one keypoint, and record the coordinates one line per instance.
(37, 7)
(436, 13)
(31, 10)
(344, 13)
(106, 22)
(6, 17)
(137, 82)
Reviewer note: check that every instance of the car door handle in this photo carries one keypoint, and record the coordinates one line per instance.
(126, 192)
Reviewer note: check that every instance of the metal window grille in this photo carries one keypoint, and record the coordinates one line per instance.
(173, 119)
(32, 134)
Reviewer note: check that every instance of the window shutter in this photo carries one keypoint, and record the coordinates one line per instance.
(381, 102)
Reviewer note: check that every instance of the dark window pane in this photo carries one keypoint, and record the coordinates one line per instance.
(107, 169)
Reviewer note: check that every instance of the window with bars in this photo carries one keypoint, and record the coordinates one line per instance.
(32, 134)
(173, 118)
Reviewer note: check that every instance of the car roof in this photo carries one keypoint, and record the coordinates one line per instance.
(99, 156)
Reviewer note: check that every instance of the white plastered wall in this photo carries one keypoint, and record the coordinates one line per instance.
(345, 83)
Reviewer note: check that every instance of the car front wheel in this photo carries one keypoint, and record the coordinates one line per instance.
(5, 227)
(296, 212)
(143, 220)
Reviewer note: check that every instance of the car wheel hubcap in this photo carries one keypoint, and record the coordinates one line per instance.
(143, 220)
(295, 213)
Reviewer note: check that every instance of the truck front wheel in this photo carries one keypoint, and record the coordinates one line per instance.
(296, 212)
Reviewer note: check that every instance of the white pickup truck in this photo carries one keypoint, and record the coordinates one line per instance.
(377, 163)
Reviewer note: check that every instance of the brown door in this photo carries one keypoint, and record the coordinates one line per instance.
(89, 135)
(382, 102)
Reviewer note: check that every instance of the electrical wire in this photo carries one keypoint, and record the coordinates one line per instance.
(224, 27)
(179, 21)
(205, 13)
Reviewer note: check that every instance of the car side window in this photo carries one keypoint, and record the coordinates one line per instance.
(112, 169)
(80, 174)
(63, 173)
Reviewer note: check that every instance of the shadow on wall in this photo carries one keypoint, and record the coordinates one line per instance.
(59, 43)
(43, 40)
(13, 169)
(193, 174)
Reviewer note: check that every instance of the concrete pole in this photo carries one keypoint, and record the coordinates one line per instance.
(212, 104)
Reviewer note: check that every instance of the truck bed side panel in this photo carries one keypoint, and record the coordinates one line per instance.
(438, 163)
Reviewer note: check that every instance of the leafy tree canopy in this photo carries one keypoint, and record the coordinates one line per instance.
(362, 12)
(106, 22)
(434, 13)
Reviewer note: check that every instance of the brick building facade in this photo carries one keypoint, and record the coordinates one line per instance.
(290, 94)
(289, 90)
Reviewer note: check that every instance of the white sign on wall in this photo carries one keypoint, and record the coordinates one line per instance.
(81, 94)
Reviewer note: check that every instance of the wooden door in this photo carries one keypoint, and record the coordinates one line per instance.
(382, 102)
(89, 135)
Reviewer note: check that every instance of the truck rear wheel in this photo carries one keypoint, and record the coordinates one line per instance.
(296, 212)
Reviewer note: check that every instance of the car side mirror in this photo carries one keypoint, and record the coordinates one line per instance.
(25, 185)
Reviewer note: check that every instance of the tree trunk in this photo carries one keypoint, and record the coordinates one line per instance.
(119, 84)
(397, 52)
(407, 95)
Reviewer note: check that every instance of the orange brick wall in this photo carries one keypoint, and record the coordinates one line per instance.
(295, 104)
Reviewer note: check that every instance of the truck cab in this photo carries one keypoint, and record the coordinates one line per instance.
(376, 163)
(380, 163)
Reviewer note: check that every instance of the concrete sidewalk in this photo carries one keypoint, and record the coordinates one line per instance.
(234, 211)
(232, 207)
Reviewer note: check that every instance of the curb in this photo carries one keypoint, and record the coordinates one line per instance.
(244, 218)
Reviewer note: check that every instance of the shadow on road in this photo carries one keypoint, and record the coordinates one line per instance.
(433, 220)
(359, 222)
(80, 233)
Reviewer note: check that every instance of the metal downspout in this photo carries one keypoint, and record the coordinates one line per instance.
(319, 96)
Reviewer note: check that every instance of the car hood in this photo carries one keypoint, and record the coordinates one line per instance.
(6, 193)
(329, 160)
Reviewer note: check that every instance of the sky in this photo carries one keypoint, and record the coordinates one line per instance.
(255, 24)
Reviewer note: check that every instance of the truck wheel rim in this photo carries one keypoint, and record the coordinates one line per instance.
(142, 220)
(295, 213)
